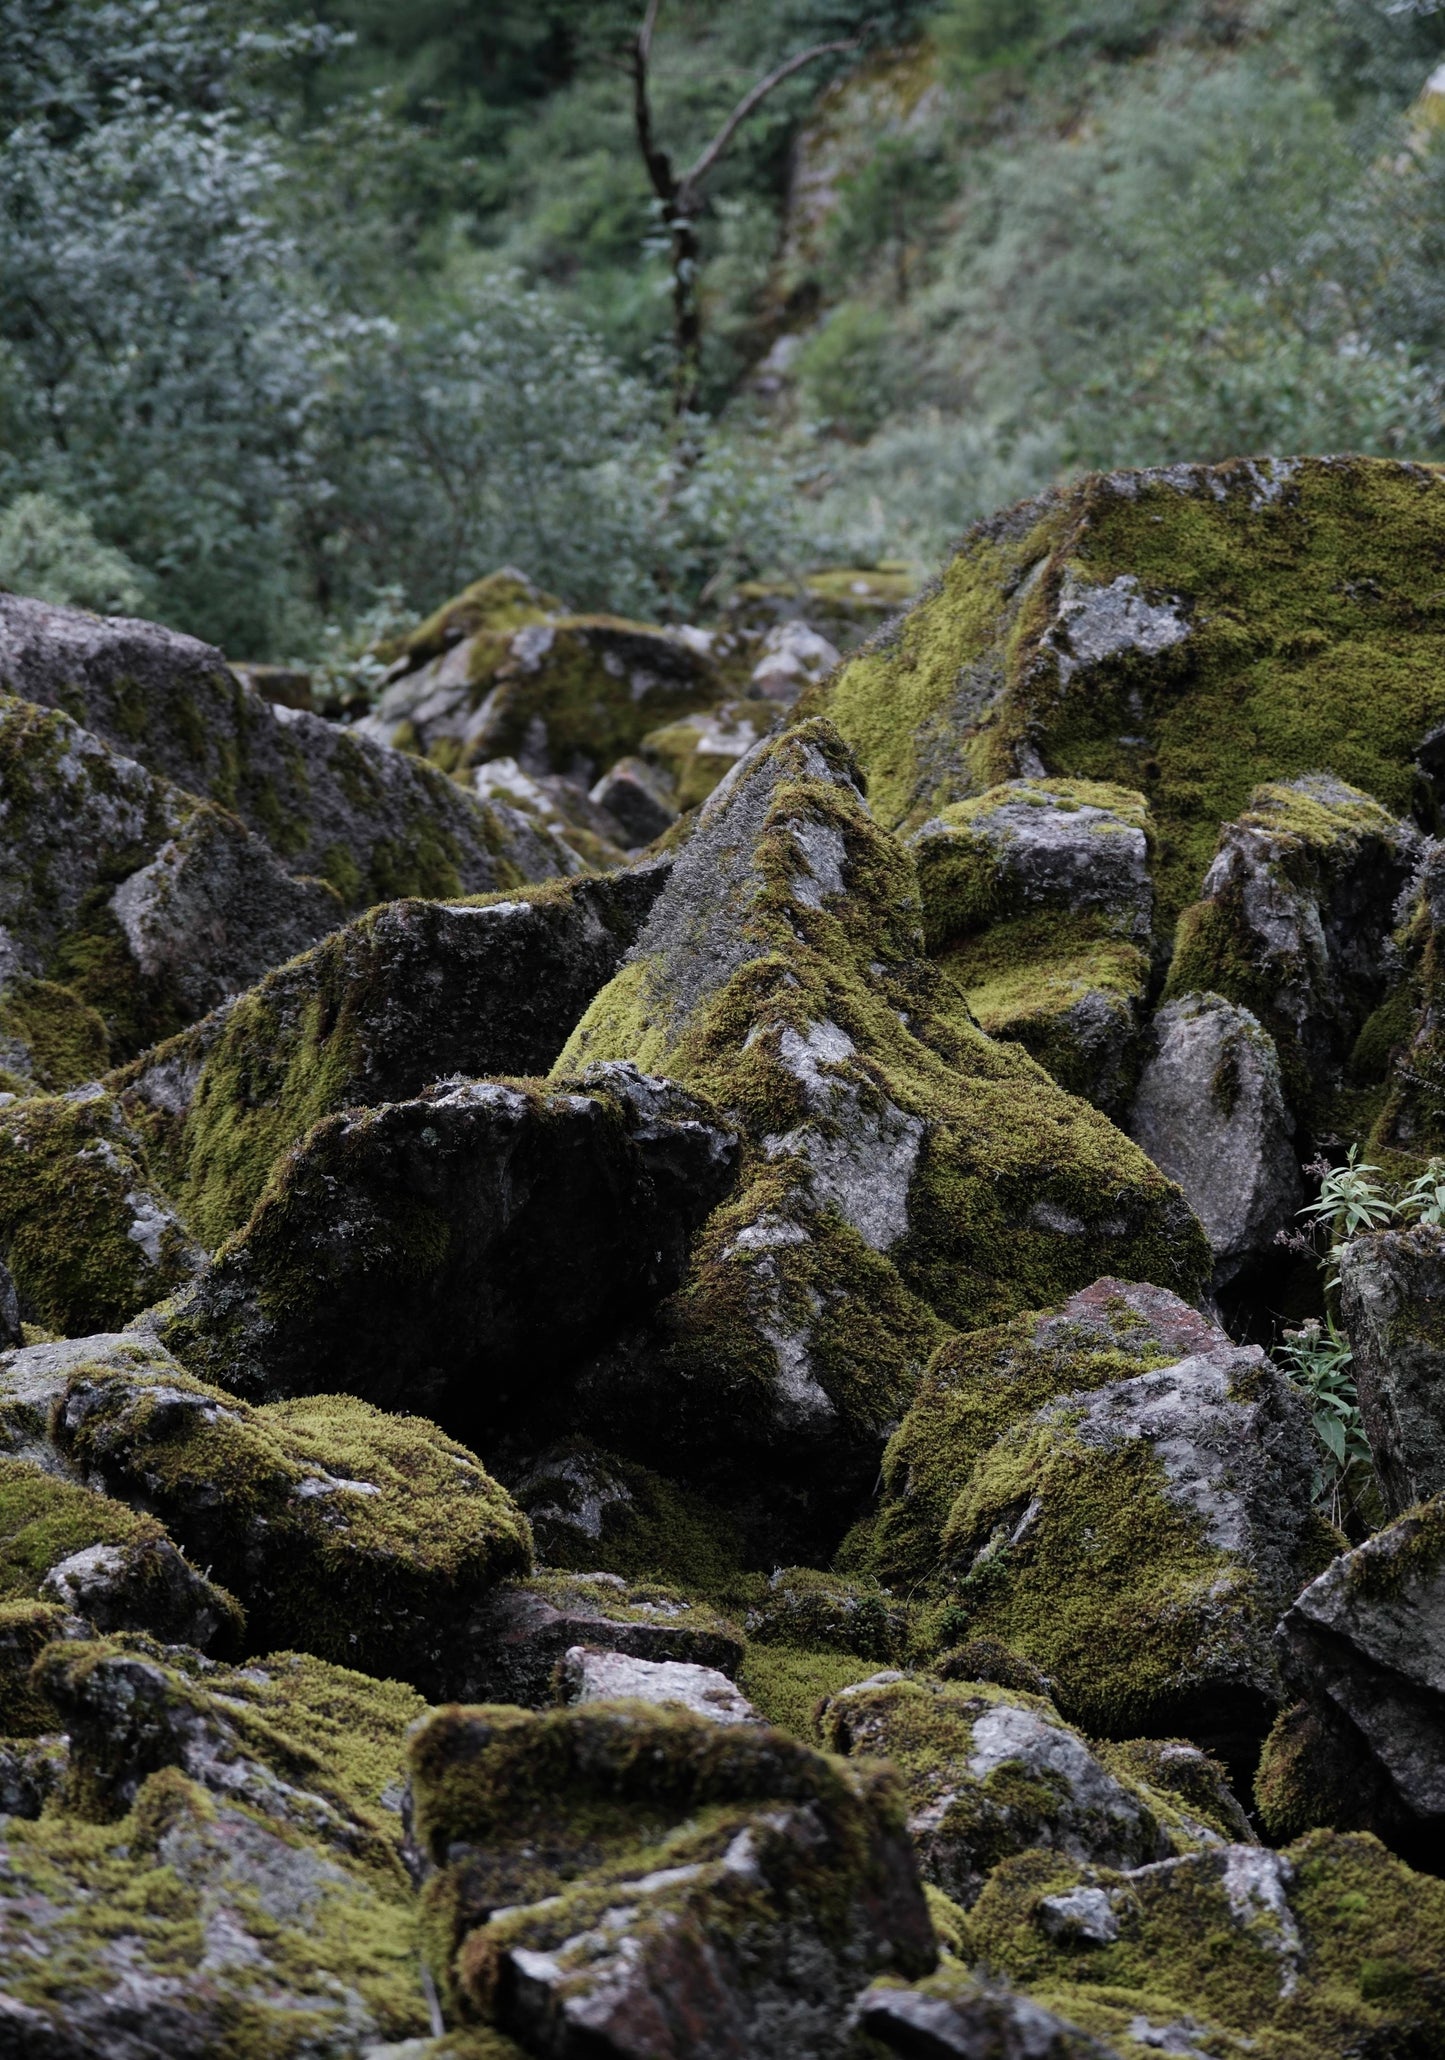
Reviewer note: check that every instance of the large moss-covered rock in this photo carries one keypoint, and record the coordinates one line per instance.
(1392, 1307)
(990, 1771)
(94, 1559)
(903, 1173)
(614, 1872)
(410, 993)
(1122, 1496)
(365, 1538)
(1364, 1646)
(376, 824)
(456, 1253)
(86, 1234)
(1186, 632)
(1294, 922)
(503, 671)
(223, 1872)
(147, 905)
(1037, 900)
(1332, 1946)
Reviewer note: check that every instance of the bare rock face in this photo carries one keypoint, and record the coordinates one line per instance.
(1392, 1291)
(956, 2016)
(990, 1771)
(597, 1674)
(457, 1252)
(1211, 1113)
(734, 1891)
(636, 797)
(374, 823)
(1364, 1645)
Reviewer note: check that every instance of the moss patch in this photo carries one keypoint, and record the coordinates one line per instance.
(64, 1041)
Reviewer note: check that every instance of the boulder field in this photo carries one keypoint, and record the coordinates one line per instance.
(646, 1410)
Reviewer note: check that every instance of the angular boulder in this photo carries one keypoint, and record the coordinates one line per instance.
(88, 1238)
(376, 824)
(1037, 900)
(456, 1253)
(1210, 1111)
(410, 993)
(1392, 1289)
(956, 2016)
(1186, 632)
(643, 1880)
(1364, 1645)
(598, 1674)
(903, 1173)
(363, 1538)
(990, 1771)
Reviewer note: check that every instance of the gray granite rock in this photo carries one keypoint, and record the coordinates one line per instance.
(1392, 1306)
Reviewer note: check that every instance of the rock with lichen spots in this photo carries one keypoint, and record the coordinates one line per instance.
(1294, 922)
(518, 1636)
(1392, 1287)
(1210, 1111)
(615, 1871)
(1328, 1947)
(1037, 900)
(405, 995)
(374, 823)
(1364, 1646)
(990, 1771)
(127, 894)
(902, 1172)
(458, 1252)
(246, 1820)
(364, 1538)
(87, 1236)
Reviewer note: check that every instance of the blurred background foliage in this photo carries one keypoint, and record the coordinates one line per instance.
(303, 305)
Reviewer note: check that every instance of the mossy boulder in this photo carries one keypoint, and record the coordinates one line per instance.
(903, 1173)
(364, 1538)
(608, 1867)
(1210, 1110)
(591, 1510)
(1392, 1308)
(1037, 900)
(331, 805)
(803, 1606)
(1184, 632)
(990, 1771)
(1408, 1032)
(1294, 923)
(496, 674)
(87, 1236)
(518, 1635)
(112, 1567)
(221, 1870)
(1362, 1646)
(1332, 1946)
(957, 2013)
(459, 1252)
(693, 755)
(410, 993)
(146, 905)
(1130, 1510)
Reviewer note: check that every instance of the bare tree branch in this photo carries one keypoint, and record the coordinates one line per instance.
(644, 34)
(750, 102)
(658, 162)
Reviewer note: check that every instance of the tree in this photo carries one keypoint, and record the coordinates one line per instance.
(679, 195)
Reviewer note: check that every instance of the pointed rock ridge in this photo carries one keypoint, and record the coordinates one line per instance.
(374, 823)
(903, 1173)
(613, 1870)
(1117, 1493)
(1186, 632)
(1364, 1646)
(1037, 900)
(1210, 1111)
(456, 1253)
(1295, 923)
(410, 993)
(1392, 1290)
(989, 1771)
(149, 905)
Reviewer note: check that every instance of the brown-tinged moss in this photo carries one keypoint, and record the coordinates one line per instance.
(1309, 595)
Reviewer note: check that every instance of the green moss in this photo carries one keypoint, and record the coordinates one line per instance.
(65, 1041)
(26, 1628)
(73, 1181)
(44, 1520)
(503, 601)
(789, 1684)
(594, 1511)
(351, 1532)
(1313, 612)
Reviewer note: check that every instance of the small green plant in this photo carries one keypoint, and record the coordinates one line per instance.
(1423, 1201)
(1319, 1358)
(347, 674)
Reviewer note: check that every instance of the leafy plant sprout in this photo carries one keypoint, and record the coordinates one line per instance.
(1318, 1358)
